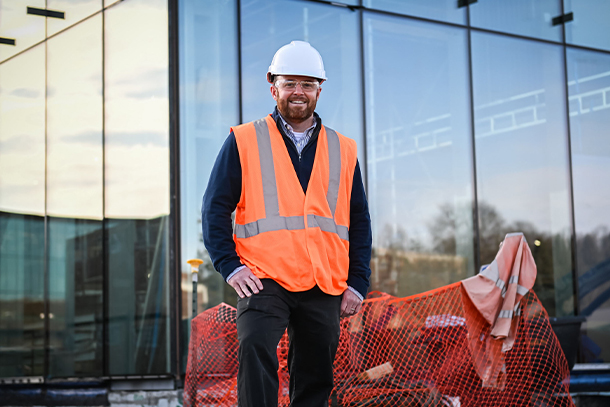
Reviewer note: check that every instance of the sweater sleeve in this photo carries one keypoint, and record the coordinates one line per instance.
(219, 201)
(360, 237)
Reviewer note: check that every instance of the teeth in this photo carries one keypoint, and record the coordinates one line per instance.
(300, 102)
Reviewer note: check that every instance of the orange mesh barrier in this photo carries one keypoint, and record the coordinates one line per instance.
(414, 351)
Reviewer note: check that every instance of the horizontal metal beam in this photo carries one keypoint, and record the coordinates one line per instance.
(7, 41)
(46, 13)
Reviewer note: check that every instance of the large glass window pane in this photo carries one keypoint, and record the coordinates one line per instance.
(522, 159)
(74, 190)
(137, 186)
(589, 95)
(590, 25)
(22, 133)
(331, 30)
(444, 10)
(74, 122)
(75, 297)
(74, 11)
(16, 24)
(209, 105)
(21, 295)
(22, 174)
(533, 18)
(419, 154)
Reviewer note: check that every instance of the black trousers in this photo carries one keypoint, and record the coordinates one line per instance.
(312, 319)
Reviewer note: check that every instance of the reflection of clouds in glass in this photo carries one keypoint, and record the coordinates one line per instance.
(85, 137)
(15, 144)
(137, 110)
(146, 79)
(25, 93)
(22, 133)
(74, 112)
(159, 139)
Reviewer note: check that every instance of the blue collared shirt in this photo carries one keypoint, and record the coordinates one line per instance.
(301, 142)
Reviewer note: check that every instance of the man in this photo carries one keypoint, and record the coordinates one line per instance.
(299, 254)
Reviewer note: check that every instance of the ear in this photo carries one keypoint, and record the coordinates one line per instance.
(273, 90)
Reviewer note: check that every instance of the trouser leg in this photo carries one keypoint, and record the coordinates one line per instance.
(261, 321)
(314, 335)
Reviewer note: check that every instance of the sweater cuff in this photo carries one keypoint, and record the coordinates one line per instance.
(355, 292)
(237, 270)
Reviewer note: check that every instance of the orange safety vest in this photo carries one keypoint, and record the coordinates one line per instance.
(297, 239)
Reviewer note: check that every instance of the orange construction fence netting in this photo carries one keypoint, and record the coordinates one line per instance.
(429, 349)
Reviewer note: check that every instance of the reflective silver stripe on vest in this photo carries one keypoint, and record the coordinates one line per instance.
(328, 225)
(265, 156)
(334, 169)
(506, 314)
(269, 225)
(273, 221)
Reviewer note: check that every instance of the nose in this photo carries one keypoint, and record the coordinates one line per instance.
(298, 89)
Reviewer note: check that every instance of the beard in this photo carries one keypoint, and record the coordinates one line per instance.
(297, 113)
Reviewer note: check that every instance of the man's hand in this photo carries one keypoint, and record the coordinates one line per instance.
(350, 304)
(245, 283)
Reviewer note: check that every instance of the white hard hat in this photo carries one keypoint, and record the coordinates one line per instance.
(297, 58)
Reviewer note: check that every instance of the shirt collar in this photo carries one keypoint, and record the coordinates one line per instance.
(289, 127)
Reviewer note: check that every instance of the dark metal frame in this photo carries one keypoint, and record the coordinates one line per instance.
(365, 170)
(174, 165)
(47, 302)
(475, 194)
(573, 245)
(105, 251)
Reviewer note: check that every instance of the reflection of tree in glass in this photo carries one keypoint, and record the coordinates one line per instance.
(403, 265)
(551, 253)
(593, 256)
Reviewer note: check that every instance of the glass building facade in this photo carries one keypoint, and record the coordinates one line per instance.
(472, 121)
(84, 189)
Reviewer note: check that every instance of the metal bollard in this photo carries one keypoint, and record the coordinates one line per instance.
(195, 263)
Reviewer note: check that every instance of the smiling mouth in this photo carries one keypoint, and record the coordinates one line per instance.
(298, 102)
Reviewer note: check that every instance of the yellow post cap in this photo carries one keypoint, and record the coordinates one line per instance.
(195, 263)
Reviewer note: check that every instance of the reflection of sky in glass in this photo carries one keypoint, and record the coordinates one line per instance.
(419, 156)
(444, 10)
(519, 101)
(522, 158)
(22, 133)
(209, 105)
(331, 30)
(15, 23)
(136, 110)
(590, 25)
(74, 122)
(530, 18)
(75, 10)
(589, 95)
